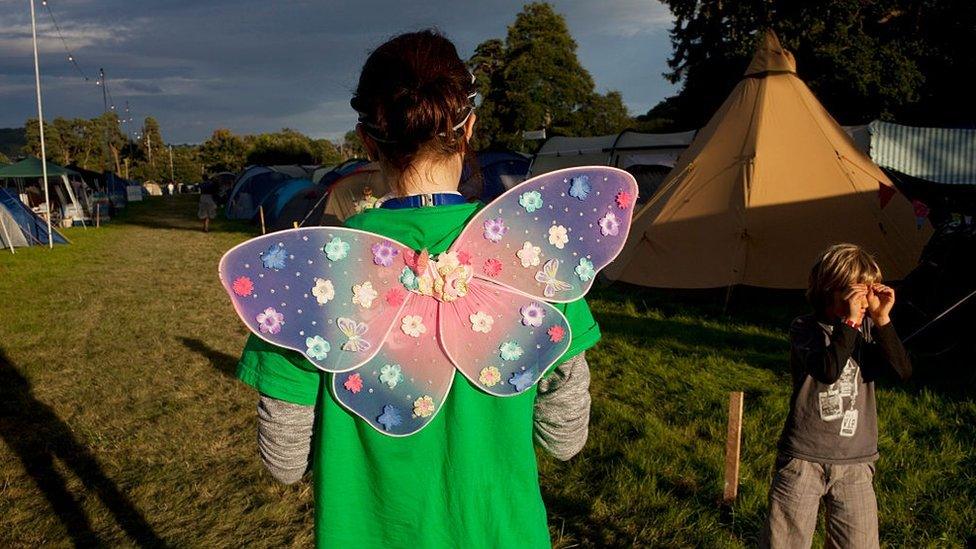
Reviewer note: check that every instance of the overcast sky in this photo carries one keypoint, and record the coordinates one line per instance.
(260, 65)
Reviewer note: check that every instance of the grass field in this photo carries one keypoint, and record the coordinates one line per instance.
(121, 422)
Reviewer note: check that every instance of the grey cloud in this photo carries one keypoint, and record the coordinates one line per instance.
(255, 65)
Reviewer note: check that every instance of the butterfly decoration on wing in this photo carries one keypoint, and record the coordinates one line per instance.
(393, 324)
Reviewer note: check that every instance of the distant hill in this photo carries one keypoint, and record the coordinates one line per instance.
(12, 140)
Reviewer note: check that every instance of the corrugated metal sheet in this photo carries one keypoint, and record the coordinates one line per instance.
(944, 155)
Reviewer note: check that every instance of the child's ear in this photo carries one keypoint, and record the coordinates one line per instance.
(469, 127)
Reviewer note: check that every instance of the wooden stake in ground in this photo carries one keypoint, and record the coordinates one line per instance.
(98, 215)
(732, 444)
(261, 213)
(294, 224)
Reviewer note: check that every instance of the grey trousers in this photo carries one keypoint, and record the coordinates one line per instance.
(794, 499)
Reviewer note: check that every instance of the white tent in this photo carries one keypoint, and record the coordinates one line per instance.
(622, 150)
(647, 156)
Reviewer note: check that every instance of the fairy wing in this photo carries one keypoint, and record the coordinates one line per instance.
(329, 293)
(501, 339)
(403, 387)
(549, 236)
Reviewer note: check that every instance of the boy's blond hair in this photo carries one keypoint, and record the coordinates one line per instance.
(840, 266)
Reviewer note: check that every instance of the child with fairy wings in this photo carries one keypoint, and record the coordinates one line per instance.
(460, 469)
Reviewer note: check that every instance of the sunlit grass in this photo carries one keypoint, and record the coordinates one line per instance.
(117, 360)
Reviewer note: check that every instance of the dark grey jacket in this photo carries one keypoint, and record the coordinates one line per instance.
(833, 416)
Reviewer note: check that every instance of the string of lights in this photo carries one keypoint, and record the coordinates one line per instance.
(101, 81)
(67, 50)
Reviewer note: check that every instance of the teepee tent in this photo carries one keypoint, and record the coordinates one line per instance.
(770, 182)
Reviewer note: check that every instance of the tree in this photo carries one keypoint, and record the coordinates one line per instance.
(187, 168)
(4, 160)
(543, 81)
(325, 152)
(151, 143)
(285, 147)
(223, 151)
(535, 81)
(601, 115)
(864, 60)
(94, 144)
(352, 146)
(486, 64)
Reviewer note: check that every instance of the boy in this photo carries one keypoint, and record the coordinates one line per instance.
(830, 441)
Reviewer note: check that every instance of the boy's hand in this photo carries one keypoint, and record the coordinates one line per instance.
(856, 297)
(881, 299)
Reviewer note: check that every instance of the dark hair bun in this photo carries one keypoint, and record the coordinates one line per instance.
(412, 92)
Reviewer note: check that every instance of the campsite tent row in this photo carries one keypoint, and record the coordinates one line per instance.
(69, 196)
(75, 194)
(290, 194)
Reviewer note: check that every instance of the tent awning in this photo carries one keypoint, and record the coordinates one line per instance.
(31, 167)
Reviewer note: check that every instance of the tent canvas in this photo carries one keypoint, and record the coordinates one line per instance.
(500, 171)
(324, 182)
(351, 194)
(19, 226)
(63, 194)
(647, 156)
(942, 155)
(289, 203)
(254, 185)
(769, 183)
(618, 150)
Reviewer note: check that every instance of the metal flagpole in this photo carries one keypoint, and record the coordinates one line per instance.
(40, 127)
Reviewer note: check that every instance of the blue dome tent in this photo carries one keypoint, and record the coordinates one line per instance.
(19, 226)
(289, 203)
(500, 171)
(253, 187)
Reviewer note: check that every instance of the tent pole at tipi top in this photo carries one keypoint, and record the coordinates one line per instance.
(40, 127)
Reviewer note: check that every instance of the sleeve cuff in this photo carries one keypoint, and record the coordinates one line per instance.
(885, 333)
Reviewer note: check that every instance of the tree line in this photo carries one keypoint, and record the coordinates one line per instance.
(901, 60)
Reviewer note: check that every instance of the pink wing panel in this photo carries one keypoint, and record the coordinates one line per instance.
(403, 387)
(502, 340)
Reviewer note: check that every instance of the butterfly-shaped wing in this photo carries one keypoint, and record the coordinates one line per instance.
(502, 340)
(400, 390)
(549, 236)
(329, 293)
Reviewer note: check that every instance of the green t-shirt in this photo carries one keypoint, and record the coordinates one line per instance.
(468, 479)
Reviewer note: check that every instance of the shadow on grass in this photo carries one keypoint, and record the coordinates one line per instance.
(178, 213)
(761, 351)
(37, 436)
(222, 362)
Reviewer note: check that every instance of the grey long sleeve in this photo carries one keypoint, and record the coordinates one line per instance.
(285, 438)
(562, 409)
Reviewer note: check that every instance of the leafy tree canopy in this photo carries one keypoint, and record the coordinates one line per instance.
(889, 59)
(533, 80)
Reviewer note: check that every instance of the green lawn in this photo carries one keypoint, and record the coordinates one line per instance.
(121, 422)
